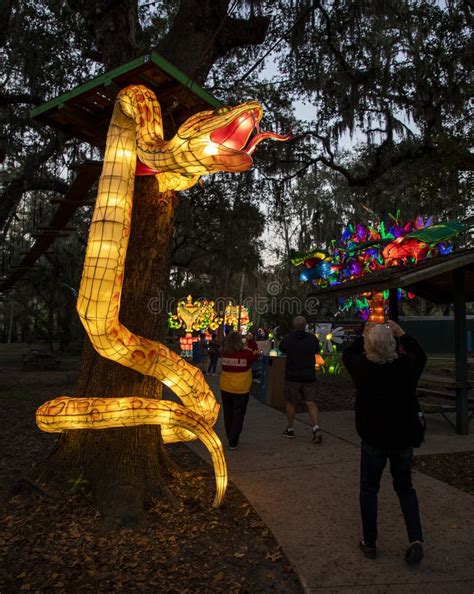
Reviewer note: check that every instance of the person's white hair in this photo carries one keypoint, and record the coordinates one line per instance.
(380, 344)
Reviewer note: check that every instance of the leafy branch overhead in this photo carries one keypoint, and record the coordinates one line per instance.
(393, 75)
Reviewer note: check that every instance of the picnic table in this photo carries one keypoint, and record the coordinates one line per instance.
(432, 389)
(37, 359)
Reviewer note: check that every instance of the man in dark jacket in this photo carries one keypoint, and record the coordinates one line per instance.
(300, 348)
(385, 375)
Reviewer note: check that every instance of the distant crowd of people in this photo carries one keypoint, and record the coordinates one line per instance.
(384, 364)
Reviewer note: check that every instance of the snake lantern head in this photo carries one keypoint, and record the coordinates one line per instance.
(221, 140)
(207, 142)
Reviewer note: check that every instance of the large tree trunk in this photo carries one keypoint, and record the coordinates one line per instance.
(125, 468)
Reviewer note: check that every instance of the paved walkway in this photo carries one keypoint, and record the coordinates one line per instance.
(308, 496)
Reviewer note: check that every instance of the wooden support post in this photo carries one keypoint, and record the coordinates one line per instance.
(393, 304)
(460, 350)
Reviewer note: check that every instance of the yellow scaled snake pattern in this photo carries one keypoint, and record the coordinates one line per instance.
(206, 143)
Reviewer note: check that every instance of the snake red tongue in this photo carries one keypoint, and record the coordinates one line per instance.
(236, 134)
(263, 136)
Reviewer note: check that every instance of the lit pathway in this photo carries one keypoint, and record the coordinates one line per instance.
(308, 497)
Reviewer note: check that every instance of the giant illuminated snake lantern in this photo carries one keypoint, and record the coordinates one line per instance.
(206, 143)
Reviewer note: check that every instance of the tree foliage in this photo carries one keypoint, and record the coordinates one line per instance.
(394, 73)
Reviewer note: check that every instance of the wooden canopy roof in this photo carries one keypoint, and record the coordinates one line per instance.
(85, 111)
(432, 279)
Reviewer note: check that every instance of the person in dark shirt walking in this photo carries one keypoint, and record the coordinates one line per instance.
(301, 348)
(385, 377)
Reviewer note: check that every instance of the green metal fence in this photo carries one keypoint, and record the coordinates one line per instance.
(436, 334)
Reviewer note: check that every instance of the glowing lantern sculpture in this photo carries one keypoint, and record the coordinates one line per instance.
(377, 309)
(193, 315)
(231, 318)
(327, 335)
(208, 319)
(187, 314)
(319, 361)
(363, 249)
(206, 143)
(328, 338)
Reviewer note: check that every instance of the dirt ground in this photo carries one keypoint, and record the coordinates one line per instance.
(53, 542)
(455, 469)
(335, 392)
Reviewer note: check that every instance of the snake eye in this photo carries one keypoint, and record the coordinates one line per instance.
(222, 110)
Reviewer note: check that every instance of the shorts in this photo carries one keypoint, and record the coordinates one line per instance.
(300, 392)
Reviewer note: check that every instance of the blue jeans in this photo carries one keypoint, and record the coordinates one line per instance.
(373, 461)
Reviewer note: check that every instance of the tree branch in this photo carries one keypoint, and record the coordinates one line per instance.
(238, 32)
(346, 69)
(23, 179)
(114, 26)
(209, 33)
(18, 98)
(6, 8)
(49, 184)
(92, 54)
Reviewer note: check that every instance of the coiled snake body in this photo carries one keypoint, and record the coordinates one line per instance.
(206, 143)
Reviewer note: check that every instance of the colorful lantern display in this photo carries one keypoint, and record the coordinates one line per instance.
(231, 318)
(206, 143)
(362, 249)
(194, 315)
(186, 343)
(319, 361)
(187, 314)
(198, 315)
(328, 337)
(208, 319)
